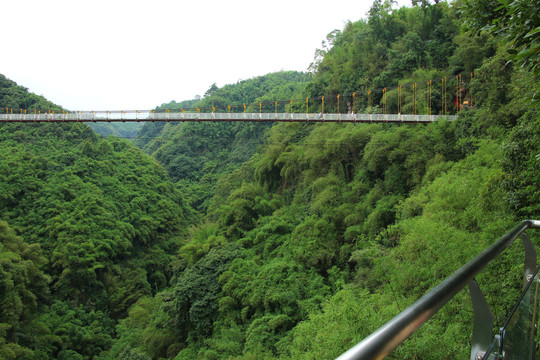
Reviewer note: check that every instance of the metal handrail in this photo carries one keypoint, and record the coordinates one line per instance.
(136, 115)
(389, 336)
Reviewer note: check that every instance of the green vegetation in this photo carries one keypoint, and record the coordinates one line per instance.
(17, 98)
(93, 226)
(196, 155)
(126, 130)
(292, 241)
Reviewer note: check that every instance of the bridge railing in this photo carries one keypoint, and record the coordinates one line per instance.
(389, 336)
(115, 116)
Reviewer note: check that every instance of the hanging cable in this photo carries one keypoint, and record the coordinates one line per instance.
(427, 98)
(430, 86)
(369, 101)
(457, 94)
(399, 99)
(460, 97)
(384, 100)
(470, 90)
(414, 99)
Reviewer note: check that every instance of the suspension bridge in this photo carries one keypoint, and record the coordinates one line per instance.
(140, 116)
(420, 104)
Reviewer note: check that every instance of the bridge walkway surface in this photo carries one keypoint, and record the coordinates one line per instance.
(142, 116)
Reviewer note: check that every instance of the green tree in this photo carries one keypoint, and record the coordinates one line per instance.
(23, 290)
(514, 20)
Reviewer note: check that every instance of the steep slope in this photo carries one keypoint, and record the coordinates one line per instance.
(197, 154)
(17, 98)
(24, 291)
(127, 130)
(329, 230)
(322, 235)
(103, 215)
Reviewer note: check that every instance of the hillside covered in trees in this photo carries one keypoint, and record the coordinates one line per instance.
(88, 226)
(280, 241)
(196, 155)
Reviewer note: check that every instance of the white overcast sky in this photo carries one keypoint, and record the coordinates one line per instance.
(130, 54)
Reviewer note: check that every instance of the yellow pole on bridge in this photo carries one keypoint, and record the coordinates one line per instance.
(414, 99)
(399, 99)
(470, 90)
(369, 101)
(384, 101)
(428, 104)
(430, 87)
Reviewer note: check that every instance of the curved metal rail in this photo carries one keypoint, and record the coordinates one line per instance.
(380, 343)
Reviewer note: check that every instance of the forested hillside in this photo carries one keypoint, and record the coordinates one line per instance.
(127, 130)
(197, 155)
(88, 227)
(17, 98)
(291, 241)
(330, 230)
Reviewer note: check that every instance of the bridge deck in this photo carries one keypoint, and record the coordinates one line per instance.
(130, 116)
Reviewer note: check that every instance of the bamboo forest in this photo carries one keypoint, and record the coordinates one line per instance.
(245, 240)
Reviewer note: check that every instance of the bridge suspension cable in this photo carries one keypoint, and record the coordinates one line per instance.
(365, 105)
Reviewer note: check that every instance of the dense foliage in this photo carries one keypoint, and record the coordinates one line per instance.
(196, 155)
(95, 223)
(331, 218)
(127, 130)
(306, 237)
(17, 98)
